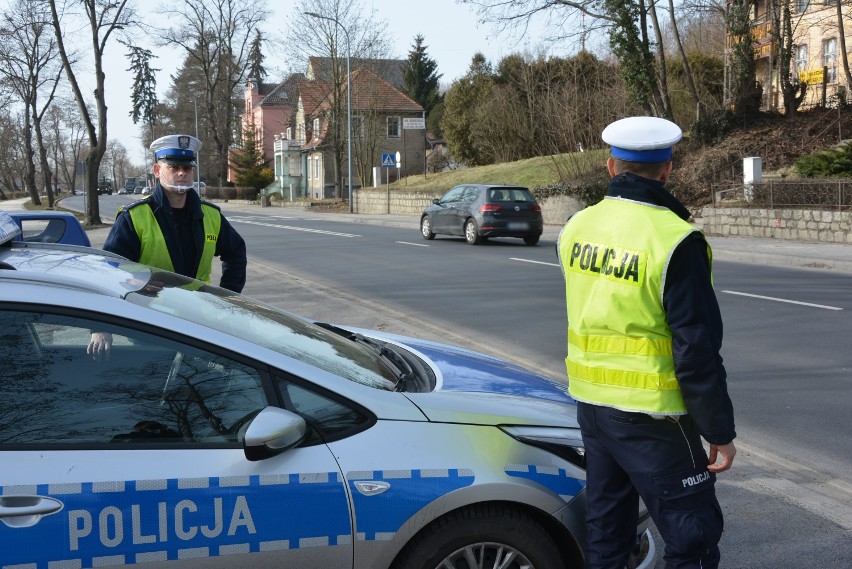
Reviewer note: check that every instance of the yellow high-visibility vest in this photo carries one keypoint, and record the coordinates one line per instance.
(614, 256)
(154, 250)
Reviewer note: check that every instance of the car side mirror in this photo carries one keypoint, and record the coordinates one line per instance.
(436, 201)
(271, 432)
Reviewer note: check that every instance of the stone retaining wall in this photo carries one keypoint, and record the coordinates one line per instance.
(793, 224)
(375, 201)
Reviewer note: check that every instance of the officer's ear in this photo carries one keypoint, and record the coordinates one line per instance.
(610, 166)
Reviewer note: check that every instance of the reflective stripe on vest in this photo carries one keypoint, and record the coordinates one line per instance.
(154, 251)
(619, 343)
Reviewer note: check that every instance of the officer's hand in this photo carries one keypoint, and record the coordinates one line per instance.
(727, 452)
(99, 346)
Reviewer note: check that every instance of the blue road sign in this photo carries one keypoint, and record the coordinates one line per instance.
(388, 161)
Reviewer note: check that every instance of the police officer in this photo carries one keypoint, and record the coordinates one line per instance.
(173, 229)
(644, 334)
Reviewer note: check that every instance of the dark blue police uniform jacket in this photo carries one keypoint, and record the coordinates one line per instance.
(230, 246)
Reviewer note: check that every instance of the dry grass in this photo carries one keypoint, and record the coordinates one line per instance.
(539, 171)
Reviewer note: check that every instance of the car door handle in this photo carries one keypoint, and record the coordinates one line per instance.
(26, 511)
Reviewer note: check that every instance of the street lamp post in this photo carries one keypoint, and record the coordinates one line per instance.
(348, 99)
(197, 158)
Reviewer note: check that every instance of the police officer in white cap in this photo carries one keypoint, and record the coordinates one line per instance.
(644, 334)
(173, 229)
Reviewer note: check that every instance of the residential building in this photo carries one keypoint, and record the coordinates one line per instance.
(384, 122)
(269, 108)
(296, 122)
(816, 59)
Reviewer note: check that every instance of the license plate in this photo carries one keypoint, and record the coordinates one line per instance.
(518, 225)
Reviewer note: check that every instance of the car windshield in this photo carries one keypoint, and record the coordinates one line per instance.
(265, 326)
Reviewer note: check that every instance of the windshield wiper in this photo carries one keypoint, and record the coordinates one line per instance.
(402, 369)
(391, 358)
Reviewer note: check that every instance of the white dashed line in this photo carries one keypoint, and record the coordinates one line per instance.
(412, 244)
(823, 306)
(290, 227)
(535, 262)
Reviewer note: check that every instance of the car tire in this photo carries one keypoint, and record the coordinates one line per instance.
(495, 536)
(471, 233)
(426, 228)
(532, 239)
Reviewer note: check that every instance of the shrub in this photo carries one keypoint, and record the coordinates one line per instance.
(835, 162)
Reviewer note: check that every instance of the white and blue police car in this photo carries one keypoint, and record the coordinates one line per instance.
(218, 431)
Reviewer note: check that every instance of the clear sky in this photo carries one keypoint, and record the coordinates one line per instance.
(451, 31)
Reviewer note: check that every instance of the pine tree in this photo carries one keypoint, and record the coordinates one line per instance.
(252, 169)
(420, 80)
(144, 94)
(255, 59)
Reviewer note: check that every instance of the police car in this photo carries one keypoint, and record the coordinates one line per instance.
(223, 432)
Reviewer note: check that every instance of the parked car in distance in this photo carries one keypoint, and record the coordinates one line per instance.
(45, 226)
(224, 432)
(481, 211)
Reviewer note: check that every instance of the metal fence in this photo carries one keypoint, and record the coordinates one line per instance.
(797, 194)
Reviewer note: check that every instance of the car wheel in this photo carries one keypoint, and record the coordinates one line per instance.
(426, 228)
(471, 235)
(531, 239)
(482, 536)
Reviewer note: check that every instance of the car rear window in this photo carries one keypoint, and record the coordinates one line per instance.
(510, 195)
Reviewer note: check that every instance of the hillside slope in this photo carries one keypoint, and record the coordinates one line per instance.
(776, 139)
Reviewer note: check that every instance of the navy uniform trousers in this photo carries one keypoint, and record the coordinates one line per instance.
(663, 461)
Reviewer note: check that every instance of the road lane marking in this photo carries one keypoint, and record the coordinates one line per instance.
(412, 244)
(290, 227)
(823, 306)
(536, 262)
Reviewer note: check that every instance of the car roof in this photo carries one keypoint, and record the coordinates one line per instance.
(70, 266)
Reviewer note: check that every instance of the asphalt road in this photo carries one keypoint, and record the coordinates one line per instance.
(788, 500)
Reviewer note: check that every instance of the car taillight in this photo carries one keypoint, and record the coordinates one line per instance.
(536, 208)
(490, 207)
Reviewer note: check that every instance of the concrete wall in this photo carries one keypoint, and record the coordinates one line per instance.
(794, 224)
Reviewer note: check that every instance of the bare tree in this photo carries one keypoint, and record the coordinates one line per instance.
(117, 161)
(624, 20)
(12, 166)
(103, 18)
(29, 66)
(65, 134)
(216, 36)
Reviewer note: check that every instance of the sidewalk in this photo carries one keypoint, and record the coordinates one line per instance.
(805, 254)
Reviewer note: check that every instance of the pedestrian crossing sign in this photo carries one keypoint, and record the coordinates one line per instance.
(388, 161)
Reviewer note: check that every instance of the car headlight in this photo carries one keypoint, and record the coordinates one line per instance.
(564, 442)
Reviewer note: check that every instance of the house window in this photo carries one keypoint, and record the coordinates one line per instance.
(316, 133)
(288, 132)
(393, 127)
(802, 5)
(800, 64)
(829, 59)
(316, 167)
(357, 126)
(300, 133)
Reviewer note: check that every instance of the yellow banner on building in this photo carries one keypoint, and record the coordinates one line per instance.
(813, 77)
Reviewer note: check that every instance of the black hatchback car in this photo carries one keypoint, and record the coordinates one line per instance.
(480, 211)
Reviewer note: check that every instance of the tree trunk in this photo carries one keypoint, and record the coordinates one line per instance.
(662, 75)
(687, 71)
(842, 41)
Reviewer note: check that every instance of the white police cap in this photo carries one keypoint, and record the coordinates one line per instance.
(642, 139)
(176, 149)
